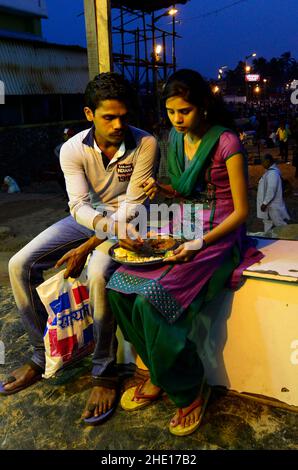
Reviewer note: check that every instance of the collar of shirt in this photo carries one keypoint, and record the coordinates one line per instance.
(120, 152)
(273, 167)
(129, 140)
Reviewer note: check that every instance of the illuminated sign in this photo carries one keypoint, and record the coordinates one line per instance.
(249, 77)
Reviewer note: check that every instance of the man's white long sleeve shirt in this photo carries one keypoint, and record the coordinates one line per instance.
(116, 189)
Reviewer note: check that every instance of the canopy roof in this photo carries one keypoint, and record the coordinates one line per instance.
(147, 6)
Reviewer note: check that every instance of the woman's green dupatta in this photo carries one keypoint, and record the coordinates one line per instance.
(185, 181)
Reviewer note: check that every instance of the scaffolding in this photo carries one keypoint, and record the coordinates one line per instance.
(146, 52)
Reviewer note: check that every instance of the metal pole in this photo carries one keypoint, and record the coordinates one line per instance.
(122, 40)
(137, 53)
(174, 42)
(154, 69)
(164, 57)
(246, 83)
(153, 53)
(146, 52)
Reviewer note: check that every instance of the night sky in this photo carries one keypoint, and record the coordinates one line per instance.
(210, 39)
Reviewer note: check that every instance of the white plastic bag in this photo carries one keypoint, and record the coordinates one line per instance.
(69, 332)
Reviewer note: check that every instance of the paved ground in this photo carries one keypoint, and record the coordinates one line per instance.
(47, 416)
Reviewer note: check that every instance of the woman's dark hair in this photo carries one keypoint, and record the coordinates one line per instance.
(108, 86)
(191, 86)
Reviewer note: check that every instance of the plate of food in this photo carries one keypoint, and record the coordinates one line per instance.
(154, 251)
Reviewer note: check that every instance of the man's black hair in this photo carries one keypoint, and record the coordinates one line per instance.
(108, 86)
(268, 157)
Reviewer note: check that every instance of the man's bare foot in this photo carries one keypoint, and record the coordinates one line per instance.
(24, 375)
(100, 401)
(148, 388)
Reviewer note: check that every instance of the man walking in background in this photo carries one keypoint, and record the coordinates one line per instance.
(270, 203)
(283, 133)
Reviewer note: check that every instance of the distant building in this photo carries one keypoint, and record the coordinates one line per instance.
(44, 82)
(22, 18)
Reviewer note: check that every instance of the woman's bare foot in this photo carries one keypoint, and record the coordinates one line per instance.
(24, 377)
(100, 401)
(190, 419)
(148, 388)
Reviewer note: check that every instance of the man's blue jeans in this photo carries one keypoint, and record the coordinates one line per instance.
(26, 273)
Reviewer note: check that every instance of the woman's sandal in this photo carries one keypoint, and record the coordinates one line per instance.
(180, 430)
(128, 403)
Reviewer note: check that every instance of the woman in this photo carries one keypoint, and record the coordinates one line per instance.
(206, 163)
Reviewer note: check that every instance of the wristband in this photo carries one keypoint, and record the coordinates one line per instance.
(194, 245)
(105, 227)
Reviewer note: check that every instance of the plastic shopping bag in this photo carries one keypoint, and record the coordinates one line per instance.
(69, 332)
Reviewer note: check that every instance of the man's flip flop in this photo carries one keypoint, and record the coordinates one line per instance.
(11, 379)
(127, 400)
(186, 430)
(94, 420)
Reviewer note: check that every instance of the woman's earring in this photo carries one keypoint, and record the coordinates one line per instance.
(205, 114)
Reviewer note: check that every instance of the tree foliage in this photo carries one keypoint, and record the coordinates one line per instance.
(278, 71)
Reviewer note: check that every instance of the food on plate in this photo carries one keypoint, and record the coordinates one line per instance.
(161, 244)
(122, 254)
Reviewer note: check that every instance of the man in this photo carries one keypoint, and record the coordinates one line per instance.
(283, 133)
(270, 204)
(103, 167)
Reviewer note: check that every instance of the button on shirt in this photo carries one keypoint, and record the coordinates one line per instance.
(95, 187)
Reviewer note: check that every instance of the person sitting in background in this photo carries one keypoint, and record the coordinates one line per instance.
(67, 134)
(10, 185)
(270, 203)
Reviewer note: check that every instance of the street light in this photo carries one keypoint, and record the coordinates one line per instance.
(253, 54)
(172, 12)
(247, 70)
(158, 50)
(221, 71)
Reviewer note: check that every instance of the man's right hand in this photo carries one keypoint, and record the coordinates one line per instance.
(75, 260)
(132, 240)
